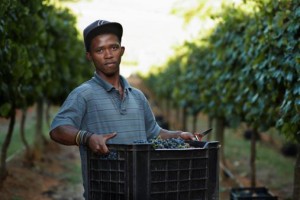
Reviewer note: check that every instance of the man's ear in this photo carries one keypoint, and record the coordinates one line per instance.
(88, 56)
(123, 50)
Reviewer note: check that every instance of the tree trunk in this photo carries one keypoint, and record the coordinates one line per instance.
(253, 158)
(296, 192)
(47, 114)
(168, 110)
(195, 122)
(220, 128)
(210, 125)
(3, 170)
(38, 139)
(22, 129)
(177, 119)
(28, 153)
(184, 119)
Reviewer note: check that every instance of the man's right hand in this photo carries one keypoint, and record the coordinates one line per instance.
(97, 143)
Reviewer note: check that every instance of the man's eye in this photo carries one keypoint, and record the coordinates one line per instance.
(99, 50)
(115, 47)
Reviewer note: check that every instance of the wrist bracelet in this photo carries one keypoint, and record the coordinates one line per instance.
(77, 138)
(83, 137)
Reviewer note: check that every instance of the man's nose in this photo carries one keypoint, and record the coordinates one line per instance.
(108, 53)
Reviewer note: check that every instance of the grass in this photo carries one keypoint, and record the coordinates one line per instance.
(273, 170)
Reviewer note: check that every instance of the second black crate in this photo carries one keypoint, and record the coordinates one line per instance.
(248, 193)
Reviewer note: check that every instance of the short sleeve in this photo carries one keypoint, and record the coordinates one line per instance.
(71, 112)
(152, 128)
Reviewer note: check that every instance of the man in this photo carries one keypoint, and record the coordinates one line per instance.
(106, 109)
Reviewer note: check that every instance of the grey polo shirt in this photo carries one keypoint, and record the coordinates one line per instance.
(96, 106)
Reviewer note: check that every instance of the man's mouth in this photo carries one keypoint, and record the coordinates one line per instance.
(110, 64)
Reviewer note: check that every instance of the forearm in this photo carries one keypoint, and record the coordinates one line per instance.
(166, 134)
(64, 135)
(67, 135)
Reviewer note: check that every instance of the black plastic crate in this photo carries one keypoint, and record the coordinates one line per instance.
(135, 172)
(248, 193)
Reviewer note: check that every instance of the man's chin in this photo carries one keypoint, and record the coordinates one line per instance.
(111, 74)
(108, 73)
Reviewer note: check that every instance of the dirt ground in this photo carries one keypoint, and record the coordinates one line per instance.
(46, 179)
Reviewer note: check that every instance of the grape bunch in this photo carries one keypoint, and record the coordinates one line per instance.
(112, 155)
(158, 143)
(172, 143)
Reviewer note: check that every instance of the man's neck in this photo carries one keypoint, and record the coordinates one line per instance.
(113, 80)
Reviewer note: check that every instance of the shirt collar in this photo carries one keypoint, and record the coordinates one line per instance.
(107, 86)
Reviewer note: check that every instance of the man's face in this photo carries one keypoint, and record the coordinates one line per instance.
(106, 52)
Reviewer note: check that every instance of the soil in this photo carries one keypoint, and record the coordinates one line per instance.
(44, 179)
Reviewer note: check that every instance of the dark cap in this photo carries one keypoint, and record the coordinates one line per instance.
(100, 27)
